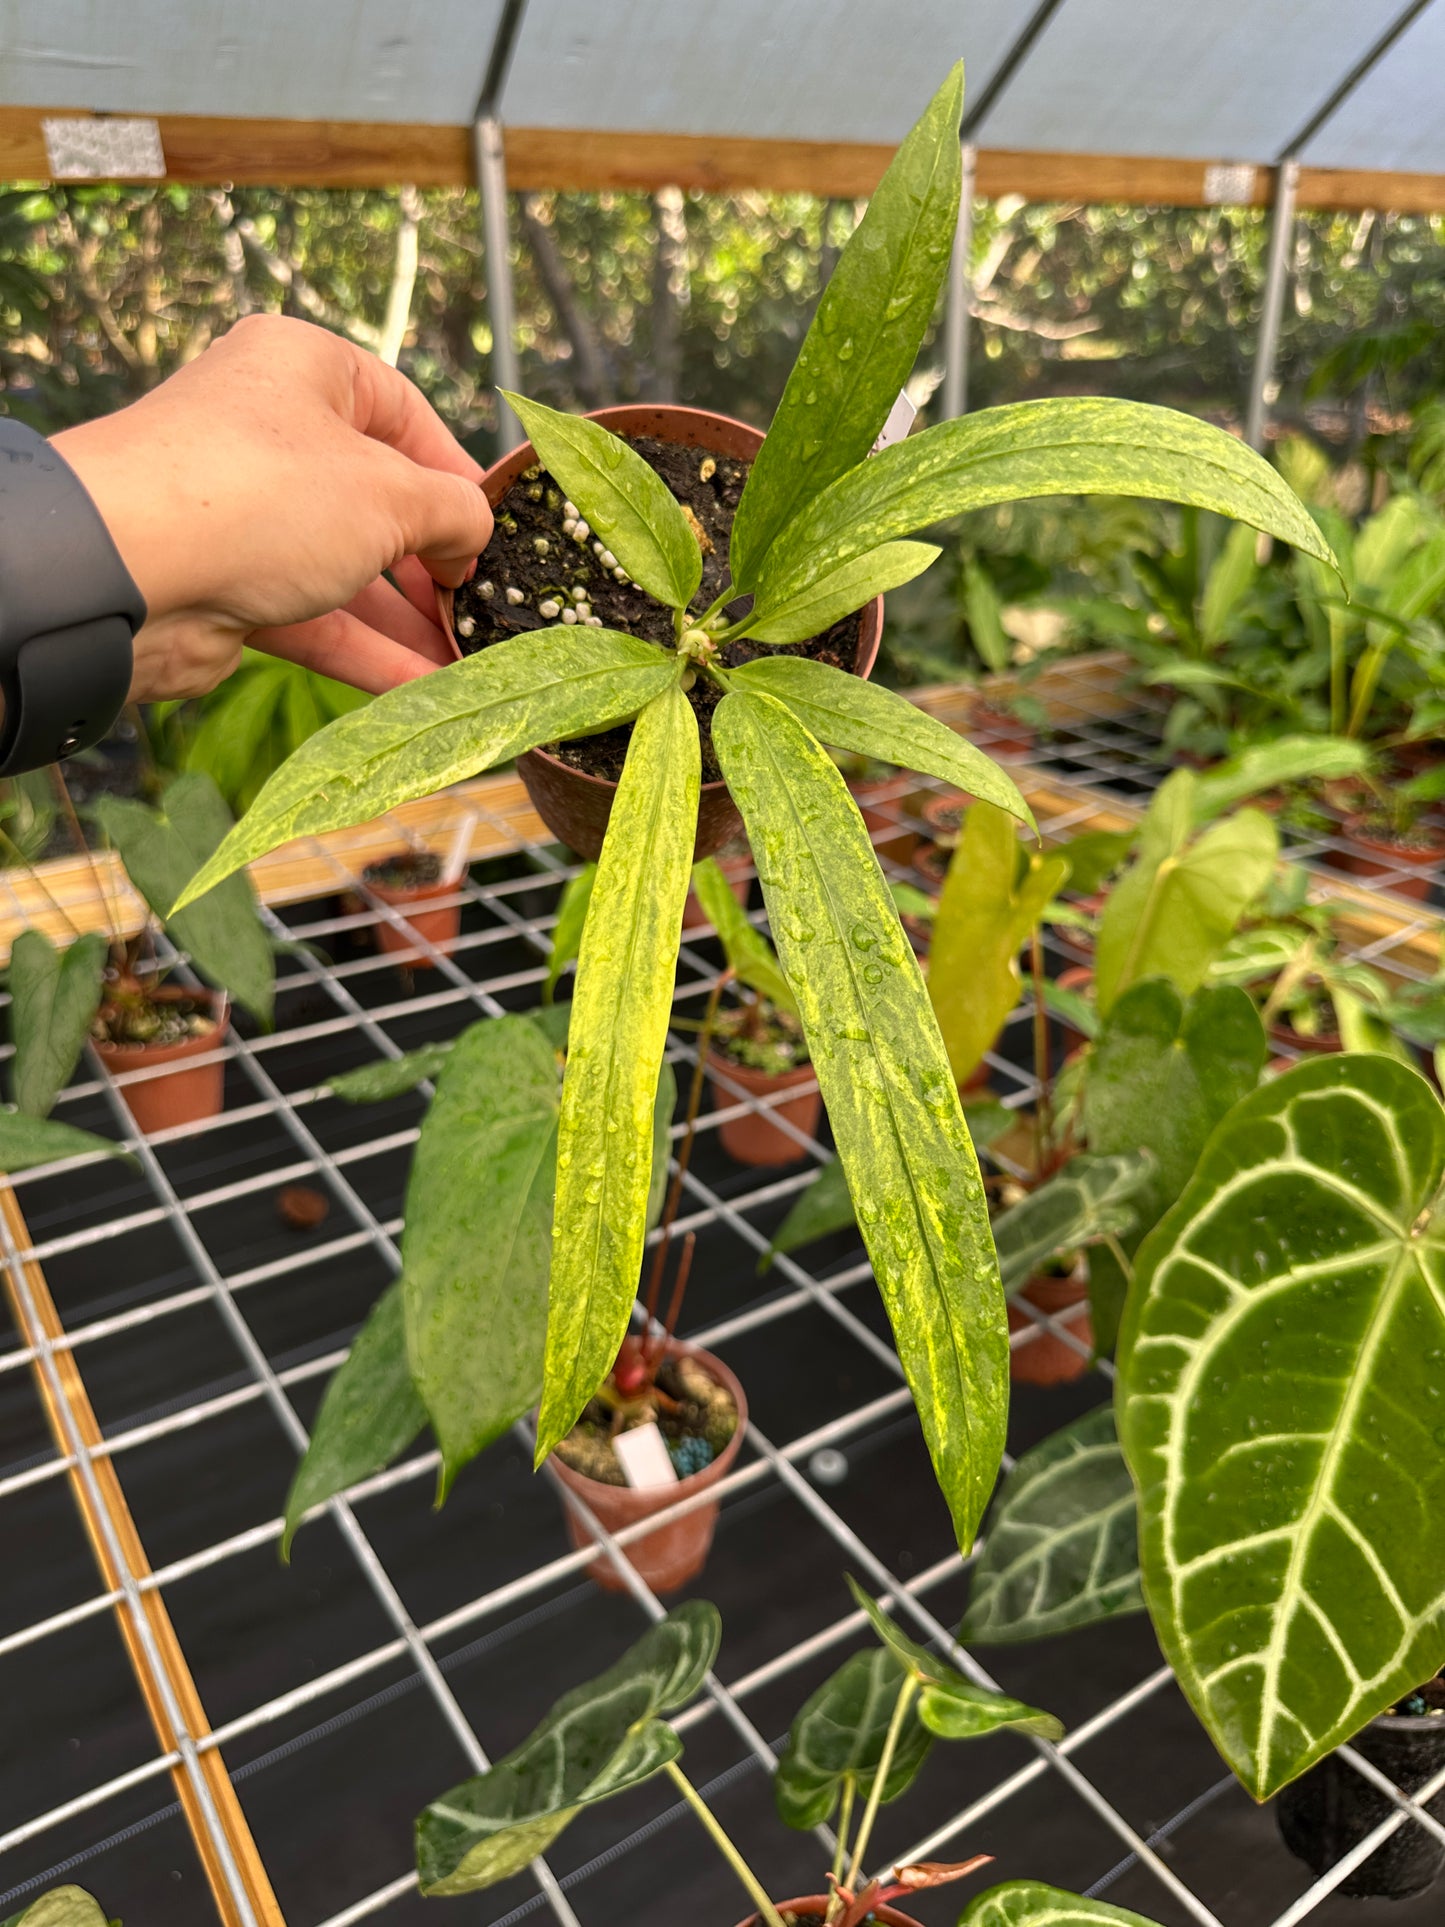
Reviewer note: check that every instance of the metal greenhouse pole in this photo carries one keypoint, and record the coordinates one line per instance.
(491, 169)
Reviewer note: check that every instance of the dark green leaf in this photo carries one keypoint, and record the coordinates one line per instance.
(838, 1735)
(750, 956)
(1279, 1370)
(597, 1740)
(26, 1142)
(390, 1076)
(1090, 1199)
(794, 618)
(884, 1075)
(54, 996)
(620, 1011)
(443, 727)
(1061, 1548)
(368, 1417)
(985, 616)
(1269, 766)
(629, 506)
(567, 931)
(865, 336)
(1093, 857)
(1029, 1903)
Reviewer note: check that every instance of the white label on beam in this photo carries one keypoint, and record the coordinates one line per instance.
(95, 147)
(1229, 183)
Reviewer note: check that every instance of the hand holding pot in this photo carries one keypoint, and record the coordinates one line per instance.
(258, 495)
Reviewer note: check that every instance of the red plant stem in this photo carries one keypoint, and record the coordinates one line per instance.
(679, 1287)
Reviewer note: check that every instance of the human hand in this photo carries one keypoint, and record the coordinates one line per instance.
(257, 496)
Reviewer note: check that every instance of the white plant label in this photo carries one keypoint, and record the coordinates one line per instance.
(901, 417)
(644, 1457)
(94, 147)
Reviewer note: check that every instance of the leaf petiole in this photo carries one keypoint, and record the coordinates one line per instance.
(845, 1820)
(725, 1846)
(907, 1692)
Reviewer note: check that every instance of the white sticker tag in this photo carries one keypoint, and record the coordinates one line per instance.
(103, 147)
(901, 417)
(644, 1457)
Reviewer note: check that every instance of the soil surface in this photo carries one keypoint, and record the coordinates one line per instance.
(141, 1023)
(531, 563)
(407, 870)
(760, 1036)
(695, 1415)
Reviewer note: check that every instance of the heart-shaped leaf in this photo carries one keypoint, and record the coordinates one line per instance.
(1088, 1200)
(54, 995)
(838, 1736)
(1278, 1383)
(26, 1142)
(1029, 1903)
(1061, 1548)
(597, 1740)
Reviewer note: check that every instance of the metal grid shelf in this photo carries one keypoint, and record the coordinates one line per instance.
(179, 1336)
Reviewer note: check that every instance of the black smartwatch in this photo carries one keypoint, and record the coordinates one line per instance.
(68, 609)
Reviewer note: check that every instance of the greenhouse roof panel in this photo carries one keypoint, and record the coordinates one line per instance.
(1395, 118)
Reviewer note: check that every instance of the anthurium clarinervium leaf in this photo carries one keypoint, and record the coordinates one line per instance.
(26, 1142)
(1061, 1546)
(884, 1075)
(950, 1706)
(370, 1414)
(390, 1076)
(994, 894)
(567, 931)
(1079, 446)
(54, 995)
(793, 618)
(865, 336)
(1176, 907)
(443, 727)
(620, 1010)
(597, 1740)
(61, 1907)
(1029, 1903)
(1266, 766)
(628, 505)
(1279, 1376)
(162, 848)
(864, 716)
(1091, 1198)
(838, 1736)
(751, 958)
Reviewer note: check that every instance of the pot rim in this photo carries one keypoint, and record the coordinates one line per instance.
(218, 1000)
(780, 1079)
(1429, 851)
(815, 1907)
(695, 1481)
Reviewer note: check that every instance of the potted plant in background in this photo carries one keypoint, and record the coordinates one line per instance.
(1391, 837)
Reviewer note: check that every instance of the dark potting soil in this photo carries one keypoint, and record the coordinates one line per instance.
(141, 1024)
(1428, 1699)
(696, 1417)
(531, 557)
(407, 870)
(761, 1037)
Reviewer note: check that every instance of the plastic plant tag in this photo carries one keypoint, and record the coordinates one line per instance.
(644, 1457)
(901, 417)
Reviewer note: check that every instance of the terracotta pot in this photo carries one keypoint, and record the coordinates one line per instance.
(182, 1096)
(815, 1906)
(1045, 1359)
(1322, 1044)
(739, 872)
(1007, 735)
(752, 1139)
(1330, 1809)
(677, 1552)
(880, 800)
(575, 806)
(944, 814)
(1078, 977)
(1381, 859)
(439, 927)
(930, 865)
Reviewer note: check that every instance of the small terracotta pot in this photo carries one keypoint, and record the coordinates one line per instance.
(1381, 859)
(439, 927)
(879, 799)
(575, 806)
(1045, 1359)
(182, 1096)
(1009, 736)
(1077, 977)
(815, 1907)
(754, 1139)
(930, 865)
(739, 872)
(1322, 1044)
(1330, 1809)
(677, 1552)
(944, 814)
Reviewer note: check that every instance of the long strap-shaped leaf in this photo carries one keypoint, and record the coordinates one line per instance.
(442, 728)
(1279, 1377)
(619, 1029)
(885, 1079)
(1031, 448)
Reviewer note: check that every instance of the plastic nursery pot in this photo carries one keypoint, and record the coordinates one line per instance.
(1330, 1809)
(1322, 1044)
(575, 806)
(739, 872)
(1382, 859)
(676, 1552)
(439, 927)
(754, 1138)
(184, 1095)
(815, 1907)
(1045, 1359)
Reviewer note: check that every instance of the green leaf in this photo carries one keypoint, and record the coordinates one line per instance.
(838, 1736)
(950, 1706)
(1093, 857)
(443, 727)
(1268, 766)
(567, 931)
(597, 1740)
(369, 1415)
(1061, 1548)
(620, 1012)
(890, 1096)
(26, 1142)
(477, 1244)
(161, 849)
(1078, 1011)
(750, 956)
(793, 618)
(1279, 1370)
(1029, 1903)
(54, 996)
(865, 336)
(61, 1907)
(631, 509)
(994, 895)
(1090, 1199)
(1173, 912)
(984, 611)
(390, 1076)
(873, 721)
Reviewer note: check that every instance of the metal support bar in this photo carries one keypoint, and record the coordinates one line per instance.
(492, 183)
(960, 295)
(1262, 385)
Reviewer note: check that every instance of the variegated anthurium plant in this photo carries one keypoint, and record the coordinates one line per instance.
(863, 1737)
(816, 535)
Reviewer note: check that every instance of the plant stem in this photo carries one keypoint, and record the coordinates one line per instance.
(1043, 1108)
(845, 1820)
(725, 1846)
(906, 1694)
